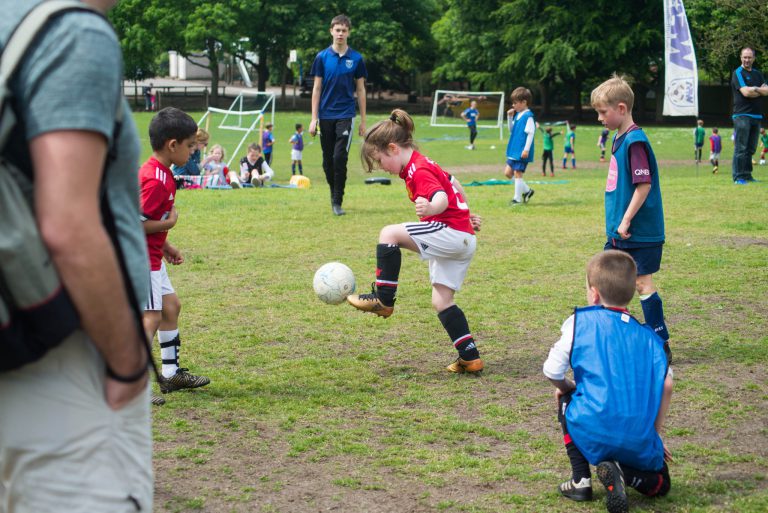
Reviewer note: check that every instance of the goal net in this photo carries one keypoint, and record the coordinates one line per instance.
(245, 118)
(448, 106)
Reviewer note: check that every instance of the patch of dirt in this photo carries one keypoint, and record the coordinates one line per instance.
(741, 242)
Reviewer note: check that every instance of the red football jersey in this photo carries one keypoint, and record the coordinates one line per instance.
(424, 178)
(158, 191)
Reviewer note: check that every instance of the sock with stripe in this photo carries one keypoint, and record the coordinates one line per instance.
(169, 345)
(653, 311)
(579, 464)
(455, 323)
(651, 484)
(388, 260)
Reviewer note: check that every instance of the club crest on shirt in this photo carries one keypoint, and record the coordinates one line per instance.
(349, 63)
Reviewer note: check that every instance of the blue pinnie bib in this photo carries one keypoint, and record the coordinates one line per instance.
(619, 367)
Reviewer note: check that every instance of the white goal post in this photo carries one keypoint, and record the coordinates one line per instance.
(447, 107)
(238, 119)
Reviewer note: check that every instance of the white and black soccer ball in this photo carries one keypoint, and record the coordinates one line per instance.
(333, 282)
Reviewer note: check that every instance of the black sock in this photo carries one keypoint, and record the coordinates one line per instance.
(388, 260)
(455, 323)
(652, 484)
(301, 169)
(293, 168)
(579, 464)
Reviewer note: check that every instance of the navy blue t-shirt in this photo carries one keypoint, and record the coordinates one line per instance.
(339, 74)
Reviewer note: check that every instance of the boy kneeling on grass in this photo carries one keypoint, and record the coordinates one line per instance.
(612, 413)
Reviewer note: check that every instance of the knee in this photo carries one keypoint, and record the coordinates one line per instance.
(388, 234)
(171, 307)
(644, 285)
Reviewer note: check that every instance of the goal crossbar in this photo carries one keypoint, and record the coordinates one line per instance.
(468, 96)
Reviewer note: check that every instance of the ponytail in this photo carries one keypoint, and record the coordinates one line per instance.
(397, 129)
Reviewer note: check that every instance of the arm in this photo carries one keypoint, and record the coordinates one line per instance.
(317, 90)
(437, 205)
(163, 225)
(67, 207)
(638, 198)
(266, 172)
(361, 101)
(530, 130)
(564, 386)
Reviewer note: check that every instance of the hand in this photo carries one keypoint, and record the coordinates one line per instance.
(623, 229)
(524, 155)
(668, 455)
(422, 206)
(173, 255)
(476, 221)
(361, 128)
(511, 112)
(119, 394)
(313, 127)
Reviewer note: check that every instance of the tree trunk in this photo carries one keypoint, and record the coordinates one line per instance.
(577, 112)
(660, 101)
(263, 71)
(213, 66)
(546, 108)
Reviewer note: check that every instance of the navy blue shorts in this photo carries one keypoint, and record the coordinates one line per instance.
(517, 165)
(647, 259)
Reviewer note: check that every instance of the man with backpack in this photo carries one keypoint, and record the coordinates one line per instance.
(74, 388)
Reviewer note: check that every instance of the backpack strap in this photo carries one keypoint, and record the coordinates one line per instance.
(16, 48)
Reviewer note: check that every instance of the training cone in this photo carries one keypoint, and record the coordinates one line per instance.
(300, 181)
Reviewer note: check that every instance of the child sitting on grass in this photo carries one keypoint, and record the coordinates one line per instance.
(214, 166)
(612, 412)
(253, 169)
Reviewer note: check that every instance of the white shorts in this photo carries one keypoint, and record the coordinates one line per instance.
(159, 286)
(449, 251)
(295, 154)
(715, 155)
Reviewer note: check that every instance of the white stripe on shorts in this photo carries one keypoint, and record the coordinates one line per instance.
(424, 228)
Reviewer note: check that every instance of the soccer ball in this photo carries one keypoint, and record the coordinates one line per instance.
(333, 282)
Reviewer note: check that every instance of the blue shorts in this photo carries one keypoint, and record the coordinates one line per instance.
(517, 165)
(568, 149)
(647, 259)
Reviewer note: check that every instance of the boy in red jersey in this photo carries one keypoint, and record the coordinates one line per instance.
(445, 234)
(172, 134)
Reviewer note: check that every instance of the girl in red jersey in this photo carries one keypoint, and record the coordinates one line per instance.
(444, 235)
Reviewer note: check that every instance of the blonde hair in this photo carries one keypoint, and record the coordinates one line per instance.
(217, 147)
(202, 136)
(397, 129)
(613, 273)
(613, 91)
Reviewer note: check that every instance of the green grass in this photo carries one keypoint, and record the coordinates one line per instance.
(321, 407)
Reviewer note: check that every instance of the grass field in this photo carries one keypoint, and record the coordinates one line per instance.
(323, 408)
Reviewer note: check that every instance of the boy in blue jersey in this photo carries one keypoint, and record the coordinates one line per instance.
(569, 146)
(634, 216)
(612, 412)
(470, 115)
(339, 72)
(522, 128)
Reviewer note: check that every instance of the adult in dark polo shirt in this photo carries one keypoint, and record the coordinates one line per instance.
(748, 86)
(339, 71)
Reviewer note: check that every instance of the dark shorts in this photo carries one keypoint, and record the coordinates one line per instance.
(517, 165)
(647, 259)
(699, 145)
(568, 149)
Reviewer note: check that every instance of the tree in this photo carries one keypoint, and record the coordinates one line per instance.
(720, 28)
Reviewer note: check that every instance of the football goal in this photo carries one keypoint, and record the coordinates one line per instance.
(448, 106)
(232, 127)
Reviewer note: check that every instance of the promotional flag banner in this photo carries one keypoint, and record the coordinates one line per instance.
(681, 80)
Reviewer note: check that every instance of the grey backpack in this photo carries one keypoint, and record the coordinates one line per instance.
(36, 313)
